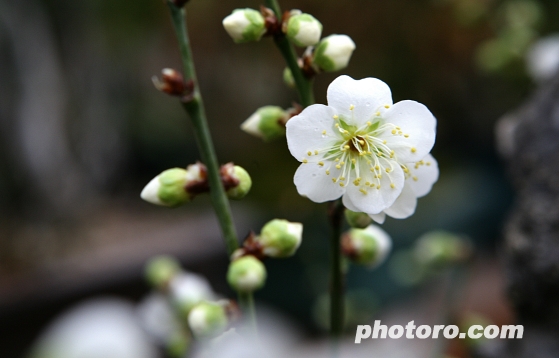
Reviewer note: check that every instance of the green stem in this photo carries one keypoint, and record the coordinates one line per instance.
(303, 84)
(247, 304)
(195, 109)
(335, 212)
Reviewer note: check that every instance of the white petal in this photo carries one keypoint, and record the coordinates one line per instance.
(376, 200)
(348, 204)
(366, 95)
(404, 206)
(418, 123)
(426, 174)
(311, 181)
(150, 193)
(378, 218)
(305, 131)
(383, 241)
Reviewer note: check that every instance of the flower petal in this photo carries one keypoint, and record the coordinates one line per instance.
(378, 218)
(348, 204)
(311, 181)
(404, 206)
(366, 95)
(415, 121)
(305, 131)
(376, 200)
(423, 175)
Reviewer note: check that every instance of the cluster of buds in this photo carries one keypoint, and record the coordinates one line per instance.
(332, 53)
(177, 186)
(268, 122)
(369, 246)
(278, 238)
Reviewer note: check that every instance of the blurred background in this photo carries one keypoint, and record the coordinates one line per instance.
(83, 130)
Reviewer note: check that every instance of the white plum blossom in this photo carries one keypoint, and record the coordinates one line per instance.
(363, 148)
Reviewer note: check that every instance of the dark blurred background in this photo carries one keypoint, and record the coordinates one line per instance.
(83, 130)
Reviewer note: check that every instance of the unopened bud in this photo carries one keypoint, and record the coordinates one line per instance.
(333, 52)
(368, 246)
(280, 238)
(245, 25)
(357, 220)
(188, 289)
(160, 270)
(303, 29)
(207, 319)
(246, 274)
(267, 123)
(439, 248)
(171, 82)
(288, 78)
(236, 181)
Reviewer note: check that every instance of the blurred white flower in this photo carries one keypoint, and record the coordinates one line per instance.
(360, 146)
(542, 58)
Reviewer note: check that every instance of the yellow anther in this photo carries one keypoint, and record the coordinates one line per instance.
(398, 128)
(337, 159)
(351, 107)
(324, 132)
(391, 154)
(406, 170)
(334, 180)
(386, 106)
(335, 116)
(362, 153)
(327, 172)
(338, 166)
(305, 161)
(406, 135)
(346, 131)
(414, 178)
(416, 166)
(394, 131)
(413, 150)
(309, 153)
(342, 178)
(421, 162)
(387, 170)
(378, 186)
(342, 162)
(363, 191)
(400, 132)
(369, 124)
(336, 125)
(428, 163)
(367, 183)
(346, 147)
(362, 142)
(377, 114)
(384, 141)
(377, 167)
(316, 152)
(380, 176)
(321, 164)
(353, 160)
(342, 185)
(392, 185)
(373, 170)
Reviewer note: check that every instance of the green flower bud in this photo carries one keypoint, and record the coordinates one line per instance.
(160, 270)
(246, 274)
(288, 78)
(303, 29)
(245, 25)
(333, 52)
(440, 248)
(280, 238)
(357, 220)
(207, 319)
(267, 123)
(368, 246)
(187, 290)
(239, 175)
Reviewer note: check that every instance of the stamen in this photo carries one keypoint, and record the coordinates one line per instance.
(327, 172)
(413, 150)
(305, 161)
(414, 178)
(324, 132)
(316, 152)
(386, 106)
(351, 107)
(309, 153)
(335, 116)
(392, 185)
(363, 191)
(321, 164)
(406, 135)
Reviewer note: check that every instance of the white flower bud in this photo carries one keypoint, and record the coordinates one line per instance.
(280, 238)
(207, 319)
(238, 179)
(303, 30)
(188, 289)
(357, 220)
(368, 246)
(333, 52)
(168, 188)
(267, 123)
(160, 270)
(246, 274)
(245, 25)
